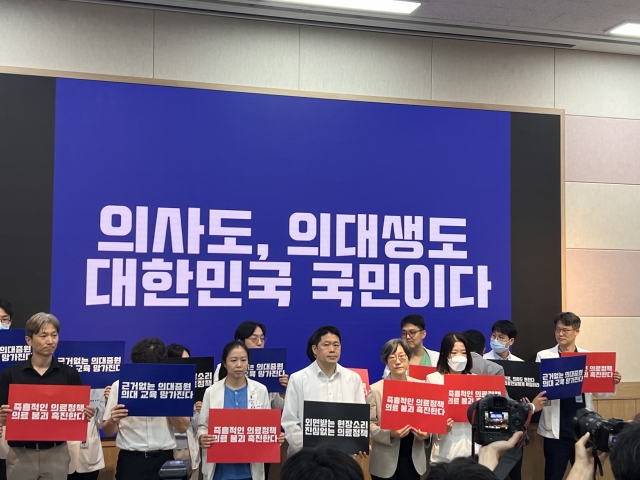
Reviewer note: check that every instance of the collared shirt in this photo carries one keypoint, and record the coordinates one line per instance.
(142, 434)
(491, 355)
(24, 373)
(329, 388)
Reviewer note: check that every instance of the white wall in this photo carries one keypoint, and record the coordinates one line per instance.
(599, 92)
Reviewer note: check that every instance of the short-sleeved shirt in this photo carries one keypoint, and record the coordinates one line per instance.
(24, 373)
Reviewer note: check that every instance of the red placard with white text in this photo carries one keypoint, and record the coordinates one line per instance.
(419, 372)
(421, 405)
(463, 390)
(598, 373)
(47, 413)
(244, 435)
(364, 376)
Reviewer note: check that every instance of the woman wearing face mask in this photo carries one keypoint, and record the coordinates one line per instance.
(395, 454)
(234, 390)
(455, 359)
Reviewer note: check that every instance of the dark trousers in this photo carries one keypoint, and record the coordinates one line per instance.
(3, 469)
(557, 454)
(134, 465)
(404, 471)
(516, 471)
(84, 476)
(267, 467)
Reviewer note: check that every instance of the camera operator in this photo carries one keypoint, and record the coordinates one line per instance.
(556, 420)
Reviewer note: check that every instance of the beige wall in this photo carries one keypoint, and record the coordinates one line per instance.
(599, 92)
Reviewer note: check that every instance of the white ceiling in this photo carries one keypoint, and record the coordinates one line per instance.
(577, 24)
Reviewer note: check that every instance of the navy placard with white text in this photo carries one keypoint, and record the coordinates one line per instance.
(562, 377)
(267, 365)
(97, 362)
(13, 347)
(157, 390)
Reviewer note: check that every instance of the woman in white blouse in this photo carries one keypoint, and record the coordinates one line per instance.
(455, 359)
(234, 390)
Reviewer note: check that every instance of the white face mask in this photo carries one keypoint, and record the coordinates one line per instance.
(4, 326)
(458, 363)
(498, 346)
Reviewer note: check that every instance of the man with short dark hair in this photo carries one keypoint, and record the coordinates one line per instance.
(325, 462)
(34, 460)
(325, 380)
(476, 343)
(556, 421)
(503, 336)
(145, 442)
(413, 331)
(625, 454)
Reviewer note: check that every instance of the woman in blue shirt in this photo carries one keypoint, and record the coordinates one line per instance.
(234, 390)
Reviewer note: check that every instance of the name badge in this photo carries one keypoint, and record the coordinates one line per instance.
(579, 399)
(252, 403)
(84, 446)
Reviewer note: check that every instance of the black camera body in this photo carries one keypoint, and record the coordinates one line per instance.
(496, 418)
(603, 433)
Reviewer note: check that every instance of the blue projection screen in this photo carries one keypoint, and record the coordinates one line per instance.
(179, 213)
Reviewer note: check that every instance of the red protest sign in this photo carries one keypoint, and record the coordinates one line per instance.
(419, 372)
(244, 435)
(463, 390)
(598, 373)
(364, 375)
(47, 412)
(421, 405)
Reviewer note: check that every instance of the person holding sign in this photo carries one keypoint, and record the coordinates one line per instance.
(33, 460)
(396, 454)
(233, 390)
(455, 359)
(325, 380)
(413, 330)
(556, 421)
(145, 442)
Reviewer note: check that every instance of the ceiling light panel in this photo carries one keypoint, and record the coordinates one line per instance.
(387, 6)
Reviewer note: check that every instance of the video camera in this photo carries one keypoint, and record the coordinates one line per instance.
(495, 418)
(603, 433)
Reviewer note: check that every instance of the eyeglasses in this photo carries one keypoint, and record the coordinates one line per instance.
(5, 319)
(564, 331)
(400, 358)
(256, 338)
(410, 333)
(501, 337)
(329, 344)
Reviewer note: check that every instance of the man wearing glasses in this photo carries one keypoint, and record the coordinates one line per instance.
(325, 380)
(412, 330)
(556, 421)
(6, 315)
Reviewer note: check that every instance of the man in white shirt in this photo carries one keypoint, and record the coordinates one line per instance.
(503, 336)
(323, 381)
(556, 420)
(145, 443)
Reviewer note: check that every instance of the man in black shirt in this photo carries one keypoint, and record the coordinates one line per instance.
(33, 460)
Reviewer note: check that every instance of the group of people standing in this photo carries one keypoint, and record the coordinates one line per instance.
(146, 443)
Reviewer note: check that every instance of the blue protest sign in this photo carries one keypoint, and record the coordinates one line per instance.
(13, 348)
(267, 365)
(157, 390)
(97, 362)
(562, 377)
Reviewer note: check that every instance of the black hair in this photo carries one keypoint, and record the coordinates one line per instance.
(6, 306)
(625, 453)
(246, 329)
(175, 350)
(569, 319)
(321, 332)
(447, 344)
(325, 462)
(391, 347)
(461, 468)
(414, 319)
(149, 350)
(475, 340)
(505, 327)
(310, 355)
(225, 353)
